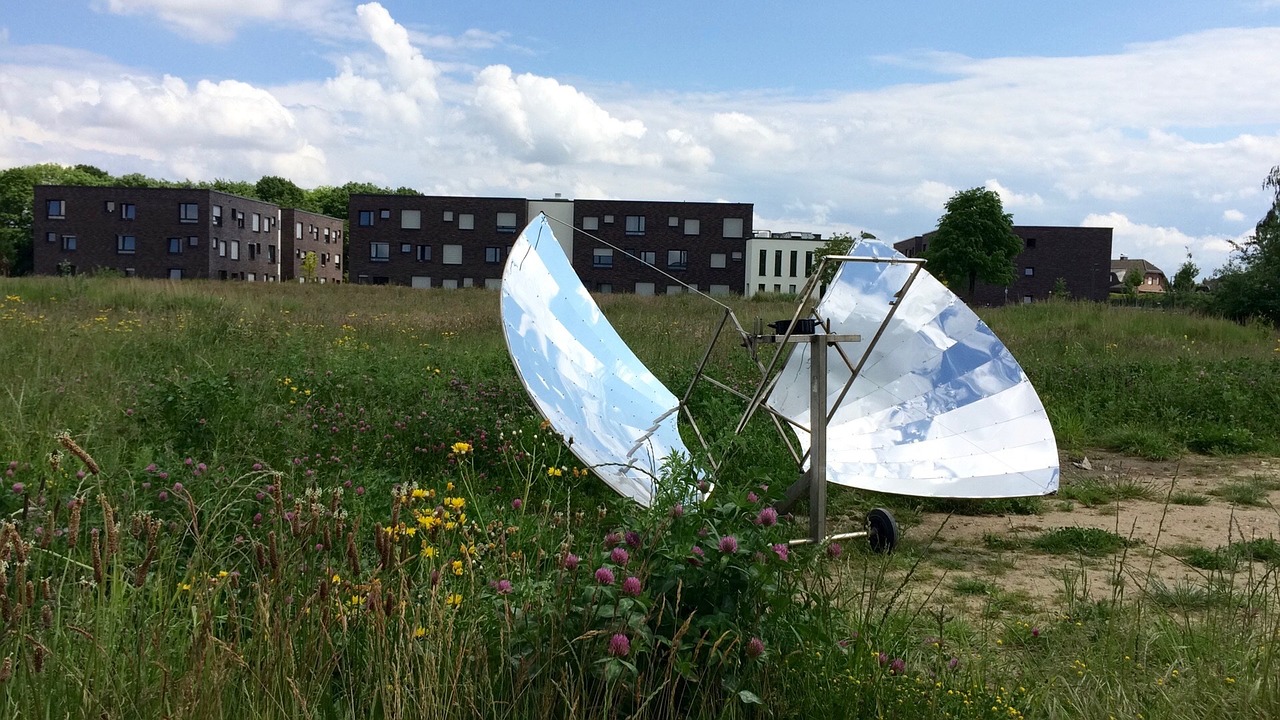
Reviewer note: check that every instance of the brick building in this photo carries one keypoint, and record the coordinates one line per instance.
(615, 245)
(303, 232)
(1081, 256)
(174, 233)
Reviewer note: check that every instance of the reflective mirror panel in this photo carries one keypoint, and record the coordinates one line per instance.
(614, 414)
(940, 409)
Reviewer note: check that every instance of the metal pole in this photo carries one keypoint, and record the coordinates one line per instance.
(818, 437)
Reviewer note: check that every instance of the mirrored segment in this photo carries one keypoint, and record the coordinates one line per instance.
(617, 418)
(940, 408)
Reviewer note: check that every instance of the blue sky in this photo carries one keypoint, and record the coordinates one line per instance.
(1159, 119)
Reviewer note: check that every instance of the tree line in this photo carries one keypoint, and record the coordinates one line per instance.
(17, 196)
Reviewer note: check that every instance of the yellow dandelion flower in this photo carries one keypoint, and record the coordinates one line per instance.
(457, 567)
(337, 578)
(184, 586)
(224, 573)
(428, 552)
(454, 600)
(461, 448)
(419, 632)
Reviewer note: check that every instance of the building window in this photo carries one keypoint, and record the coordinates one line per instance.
(733, 227)
(188, 213)
(364, 219)
(1028, 271)
(451, 255)
(808, 263)
(795, 256)
(719, 289)
(126, 244)
(109, 206)
(737, 256)
(673, 221)
(239, 219)
(635, 225)
(506, 222)
(255, 223)
(51, 237)
(675, 289)
(602, 257)
(649, 257)
(216, 213)
(719, 260)
(677, 259)
(193, 241)
(604, 287)
(410, 219)
(608, 219)
(57, 209)
(644, 288)
(692, 226)
(493, 254)
(590, 223)
(128, 211)
(253, 251)
(406, 247)
(175, 273)
(271, 254)
(222, 247)
(1026, 299)
(131, 272)
(448, 216)
(68, 242)
(235, 249)
(466, 221)
(777, 266)
(424, 253)
(175, 245)
(1030, 243)
(379, 251)
(763, 268)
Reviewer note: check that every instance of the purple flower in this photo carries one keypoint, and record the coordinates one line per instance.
(177, 487)
(257, 518)
(898, 666)
(188, 461)
(19, 487)
(79, 474)
(570, 562)
(633, 538)
(953, 663)
(703, 486)
(319, 547)
(619, 645)
(257, 466)
(753, 498)
(619, 556)
(768, 517)
(162, 496)
(517, 504)
(604, 576)
(782, 550)
(359, 489)
(834, 550)
(882, 659)
(755, 647)
(612, 539)
(503, 587)
(677, 510)
(631, 586)
(1035, 632)
(728, 545)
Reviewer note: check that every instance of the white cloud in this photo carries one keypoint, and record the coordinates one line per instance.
(540, 119)
(932, 194)
(219, 21)
(1012, 200)
(742, 135)
(1232, 215)
(413, 73)
(1165, 247)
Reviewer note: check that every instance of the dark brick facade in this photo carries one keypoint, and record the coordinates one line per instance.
(156, 233)
(672, 231)
(1079, 255)
(431, 241)
(302, 232)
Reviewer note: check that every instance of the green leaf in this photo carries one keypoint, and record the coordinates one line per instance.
(749, 697)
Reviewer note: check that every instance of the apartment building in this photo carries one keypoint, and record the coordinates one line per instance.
(644, 247)
(781, 262)
(174, 233)
(1080, 256)
(302, 233)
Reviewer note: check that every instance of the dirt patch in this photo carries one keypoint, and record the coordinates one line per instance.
(988, 563)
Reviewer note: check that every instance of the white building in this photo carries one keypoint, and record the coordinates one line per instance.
(780, 262)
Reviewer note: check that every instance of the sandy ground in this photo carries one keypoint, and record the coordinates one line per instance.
(969, 548)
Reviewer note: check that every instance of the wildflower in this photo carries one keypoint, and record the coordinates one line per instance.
(753, 498)
(517, 504)
(604, 576)
(619, 556)
(898, 666)
(337, 578)
(419, 632)
(428, 551)
(454, 600)
(677, 510)
(503, 587)
(1035, 632)
(461, 448)
(554, 472)
(612, 539)
(834, 550)
(782, 551)
(631, 586)
(633, 538)
(570, 562)
(619, 645)
(768, 517)
(18, 488)
(953, 663)
(456, 565)
(728, 544)
(755, 648)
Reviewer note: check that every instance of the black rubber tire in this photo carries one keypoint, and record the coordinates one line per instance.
(882, 531)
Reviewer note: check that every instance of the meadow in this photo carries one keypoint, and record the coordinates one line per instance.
(238, 500)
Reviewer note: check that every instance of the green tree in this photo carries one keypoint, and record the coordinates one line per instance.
(281, 191)
(1060, 290)
(1184, 281)
(309, 263)
(1132, 279)
(974, 241)
(838, 244)
(1249, 284)
(17, 196)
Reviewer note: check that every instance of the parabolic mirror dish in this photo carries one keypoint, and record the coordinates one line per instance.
(940, 407)
(618, 419)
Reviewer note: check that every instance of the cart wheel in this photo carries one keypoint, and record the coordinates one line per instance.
(882, 531)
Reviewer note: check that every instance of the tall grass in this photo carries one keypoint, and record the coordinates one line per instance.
(337, 502)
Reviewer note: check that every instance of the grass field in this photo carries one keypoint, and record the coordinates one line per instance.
(235, 500)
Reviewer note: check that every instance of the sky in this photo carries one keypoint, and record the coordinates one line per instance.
(1159, 119)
